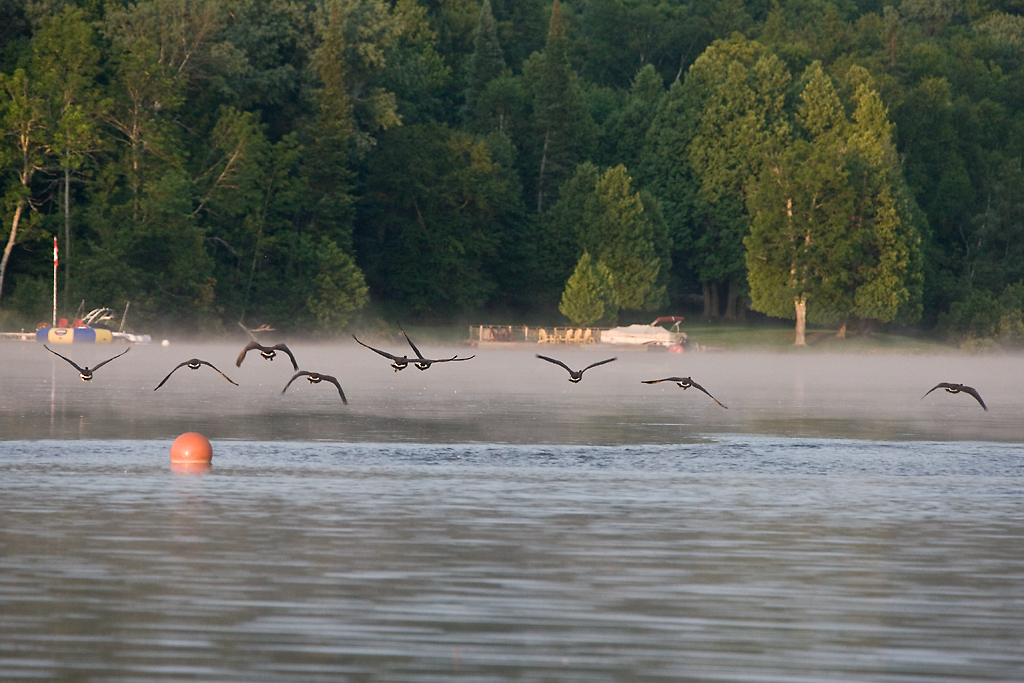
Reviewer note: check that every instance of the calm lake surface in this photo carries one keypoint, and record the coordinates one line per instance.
(489, 521)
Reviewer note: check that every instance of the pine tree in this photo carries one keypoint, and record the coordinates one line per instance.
(486, 63)
(557, 233)
(616, 227)
(565, 131)
(330, 141)
(588, 297)
(622, 136)
(666, 172)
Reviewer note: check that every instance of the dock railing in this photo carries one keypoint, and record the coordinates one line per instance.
(483, 334)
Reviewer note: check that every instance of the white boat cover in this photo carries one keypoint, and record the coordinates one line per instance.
(639, 334)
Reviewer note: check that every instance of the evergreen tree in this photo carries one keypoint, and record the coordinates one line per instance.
(800, 243)
(617, 229)
(622, 230)
(564, 129)
(435, 226)
(708, 139)
(521, 25)
(338, 288)
(833, 233)
(330, 138)
(739, 89)
(622, 135)
(667, 173)
(588, 297)
(557, 233)
(323, 245)
(888, 279)
(486, 64)
(418, 63)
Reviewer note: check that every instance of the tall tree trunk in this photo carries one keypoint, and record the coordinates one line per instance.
(67, 232)
(540, 176)
(800, 303)
(731, 300)
(10, 244)
(252, 273)
(710, 291)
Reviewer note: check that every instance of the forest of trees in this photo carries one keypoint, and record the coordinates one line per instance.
(310, 163)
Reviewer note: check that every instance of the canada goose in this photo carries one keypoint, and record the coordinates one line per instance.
(575, 375)
(397, 362)
(86, 373)
(193, 364)
(953, 389)
(424, 363)
(268, 353)
(685, 383)
(316, 378)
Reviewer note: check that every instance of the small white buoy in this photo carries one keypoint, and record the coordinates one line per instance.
(165, 342)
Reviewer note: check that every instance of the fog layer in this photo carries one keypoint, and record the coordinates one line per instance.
(503, 395)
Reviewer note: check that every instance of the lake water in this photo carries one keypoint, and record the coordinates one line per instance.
(489, 521)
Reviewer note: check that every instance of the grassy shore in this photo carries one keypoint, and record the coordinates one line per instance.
(723, 336)
(714, 336)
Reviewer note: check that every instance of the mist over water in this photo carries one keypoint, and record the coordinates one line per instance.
(505, 395)
(490, 521)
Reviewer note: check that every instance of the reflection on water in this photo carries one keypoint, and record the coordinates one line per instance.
(733, 559)
(489, 521)
(506, 396)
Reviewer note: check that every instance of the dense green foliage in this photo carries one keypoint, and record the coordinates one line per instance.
(282, 162)
(830, 238)
(588, 297)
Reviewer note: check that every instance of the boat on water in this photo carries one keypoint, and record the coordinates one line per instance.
(652, 336)
(82, 331)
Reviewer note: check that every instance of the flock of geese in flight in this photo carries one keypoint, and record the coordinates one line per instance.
(423, 363)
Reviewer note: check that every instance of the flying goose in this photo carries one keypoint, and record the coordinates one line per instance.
(86, 372)
(316, 378)
(268, 353)
(575, 375)
(685, 383)
(953, 389)
(397, 362)
(193, 364)
(424, 363)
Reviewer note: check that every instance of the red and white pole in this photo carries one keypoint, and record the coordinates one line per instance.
(54, 281)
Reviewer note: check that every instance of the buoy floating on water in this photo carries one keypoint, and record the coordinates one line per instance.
(191, 452)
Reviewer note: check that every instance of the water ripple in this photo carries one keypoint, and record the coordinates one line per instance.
(731, 558)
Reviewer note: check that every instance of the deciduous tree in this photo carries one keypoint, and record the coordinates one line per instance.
(24, 128)
(66, 62)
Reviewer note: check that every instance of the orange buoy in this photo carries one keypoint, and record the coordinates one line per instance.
(191, 467)
(191, 448)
